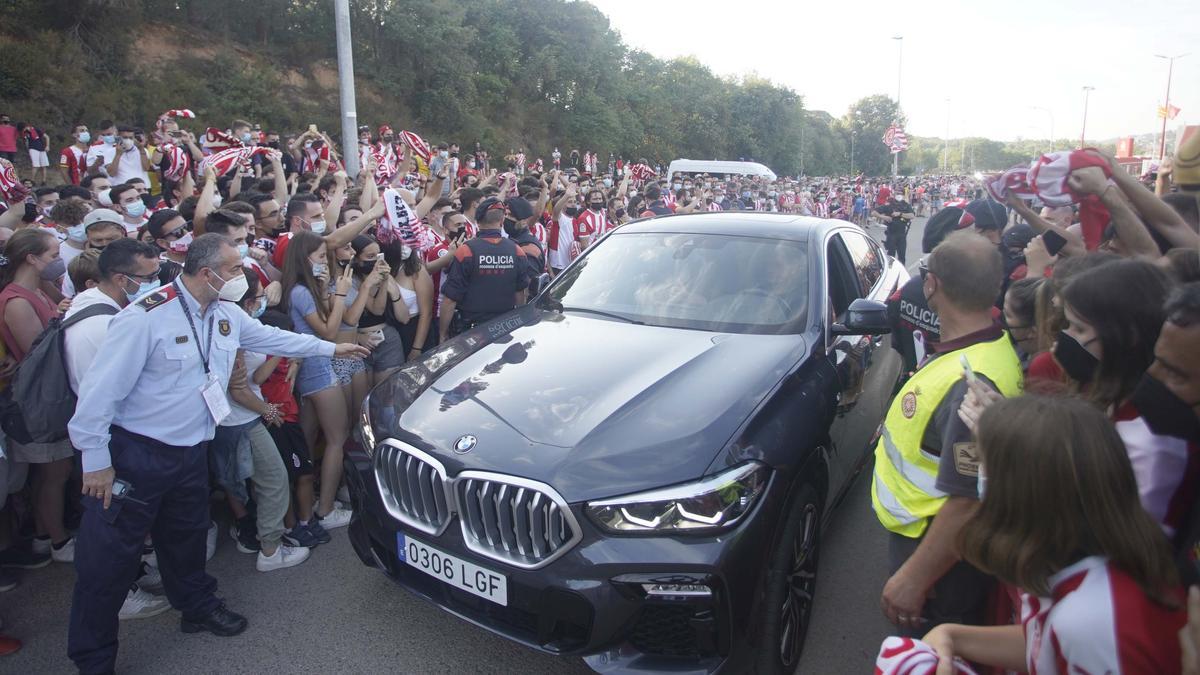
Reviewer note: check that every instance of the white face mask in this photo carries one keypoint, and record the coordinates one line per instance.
(317, 226)
(234, 289)
(405, 251)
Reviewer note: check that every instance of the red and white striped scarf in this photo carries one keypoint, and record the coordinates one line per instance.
(221, 162)
(641, 172)
(11, 187)
(399, 221)
(419, 147)
(216, 140)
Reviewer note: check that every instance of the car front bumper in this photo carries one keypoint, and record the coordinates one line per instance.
(592, 601)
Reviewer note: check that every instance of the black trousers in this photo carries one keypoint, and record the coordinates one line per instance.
(173, 481)
(960, 596)
(896, 244)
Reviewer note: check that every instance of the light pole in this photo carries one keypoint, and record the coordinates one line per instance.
(1162, 142)
(899, 71)
(946, 142)
(1083, 129)
(1051, 114)
(345, 56)
(851, 154)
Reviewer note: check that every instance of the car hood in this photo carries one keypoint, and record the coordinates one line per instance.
(591, 406)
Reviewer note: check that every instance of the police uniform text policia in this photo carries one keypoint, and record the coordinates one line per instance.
(146, 412)
(488, 276)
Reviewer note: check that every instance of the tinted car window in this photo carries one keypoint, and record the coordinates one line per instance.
(843, 285)
(711, 282)
(865, 255)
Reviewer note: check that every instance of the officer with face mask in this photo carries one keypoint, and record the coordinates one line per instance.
(145, 414)
(488, 276)
(516, 226)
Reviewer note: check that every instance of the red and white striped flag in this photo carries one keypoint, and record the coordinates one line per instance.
(216, 140)
(1013, 181)
(419, 147)
(640, 171)
(895, 139)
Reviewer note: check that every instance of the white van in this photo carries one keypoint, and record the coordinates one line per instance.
(718, 167)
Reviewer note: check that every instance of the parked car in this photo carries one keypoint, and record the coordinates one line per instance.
(636, 466)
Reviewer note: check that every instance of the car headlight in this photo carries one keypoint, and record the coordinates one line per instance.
(711, 503)
(365, 430)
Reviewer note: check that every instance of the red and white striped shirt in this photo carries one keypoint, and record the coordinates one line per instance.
(73, 160)
(1098, 621)
(591, 224)
(1167, 468)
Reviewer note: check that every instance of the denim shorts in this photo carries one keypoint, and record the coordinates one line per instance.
(316, 374)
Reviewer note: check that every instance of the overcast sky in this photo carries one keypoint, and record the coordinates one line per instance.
(994, 60)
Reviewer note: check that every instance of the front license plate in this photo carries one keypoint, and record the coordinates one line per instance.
(461, 574)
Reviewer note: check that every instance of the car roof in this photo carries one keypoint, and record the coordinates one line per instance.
(748, 223)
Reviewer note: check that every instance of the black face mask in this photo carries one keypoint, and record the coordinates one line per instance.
(511, 228)
(361, 267)
(1079, 364)
(572, 211)
(1166, 414)
(273, 144)
(620, 213)
(596, 206)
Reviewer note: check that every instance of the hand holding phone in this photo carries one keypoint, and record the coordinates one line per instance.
(968, 372)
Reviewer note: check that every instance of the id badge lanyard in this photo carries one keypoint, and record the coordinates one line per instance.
(212, 392)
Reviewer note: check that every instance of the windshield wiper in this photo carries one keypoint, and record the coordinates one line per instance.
(619, 317)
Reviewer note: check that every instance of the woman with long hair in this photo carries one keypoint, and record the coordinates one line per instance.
(351, 373)
(373, 333)
(31, 258)
(411, 296)
(315, 310)
(1060, 519)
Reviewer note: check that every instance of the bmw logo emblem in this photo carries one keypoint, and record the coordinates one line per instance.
(465, 444)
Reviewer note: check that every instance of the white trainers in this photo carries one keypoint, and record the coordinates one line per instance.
(338, 517)
(285, 556)
(66, 554)
(139, 605)
(151, 579)
(212, 541)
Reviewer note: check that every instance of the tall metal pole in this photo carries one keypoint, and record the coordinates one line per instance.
(1162, 141)
(851, 154)
(946, 142)
(899, 72)
(803, 123)
(345, 57)
(1083, 129)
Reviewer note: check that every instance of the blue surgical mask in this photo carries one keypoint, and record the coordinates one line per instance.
(135, 209)
(243, 249)
(320, 269)
(246, 137)
(110, 139)
(77, 233)
(262, 307)
(85, 137)
(318, 226)
(981, 483)
(144, 287)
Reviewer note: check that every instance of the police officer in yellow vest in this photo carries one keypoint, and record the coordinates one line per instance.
(926, 463)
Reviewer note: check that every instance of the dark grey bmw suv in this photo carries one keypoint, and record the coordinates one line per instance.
(635, 467)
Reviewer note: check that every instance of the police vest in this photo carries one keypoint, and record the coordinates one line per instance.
(496, 265)
(904, 490)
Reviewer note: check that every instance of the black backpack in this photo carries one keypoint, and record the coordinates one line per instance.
(42, 402)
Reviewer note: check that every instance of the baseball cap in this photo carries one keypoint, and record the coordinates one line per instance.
(989, 215)
(1018, 236)
(101, 216)
(520, 208)
(487, 205)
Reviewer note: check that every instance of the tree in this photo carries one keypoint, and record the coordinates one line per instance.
(869, 119)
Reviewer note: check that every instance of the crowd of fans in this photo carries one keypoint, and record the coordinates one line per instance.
(1090, 475)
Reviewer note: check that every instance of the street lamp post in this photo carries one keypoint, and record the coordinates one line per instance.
(1051, 114)
(345, 57)
(852, 154)
(1083, 129)
(899, 71)
(946, 142)
(1162, 141)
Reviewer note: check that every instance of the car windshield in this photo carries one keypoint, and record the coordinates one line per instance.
(723, 283)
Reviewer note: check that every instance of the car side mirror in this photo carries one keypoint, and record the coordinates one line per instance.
(864, 317)
(540, 283)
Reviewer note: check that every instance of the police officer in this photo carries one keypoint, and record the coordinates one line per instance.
(147, 408)
(516, 226)
(927, 478)
(488, 276)
(899, 217)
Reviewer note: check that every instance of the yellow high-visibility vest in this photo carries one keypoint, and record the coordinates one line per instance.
(904, 489)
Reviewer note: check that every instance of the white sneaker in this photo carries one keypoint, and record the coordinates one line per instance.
(139, 605)
(150, 580)
(212, 541)
(66, 554)
(285, 556)
(338, 517)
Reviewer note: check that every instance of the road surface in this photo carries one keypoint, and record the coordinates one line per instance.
(332, 614)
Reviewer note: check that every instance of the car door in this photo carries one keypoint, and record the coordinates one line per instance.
(863, 363)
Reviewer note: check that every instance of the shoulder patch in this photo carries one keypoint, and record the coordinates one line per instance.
(157, 298)
(966, 459)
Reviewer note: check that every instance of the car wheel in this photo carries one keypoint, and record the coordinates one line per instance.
(791, 585)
